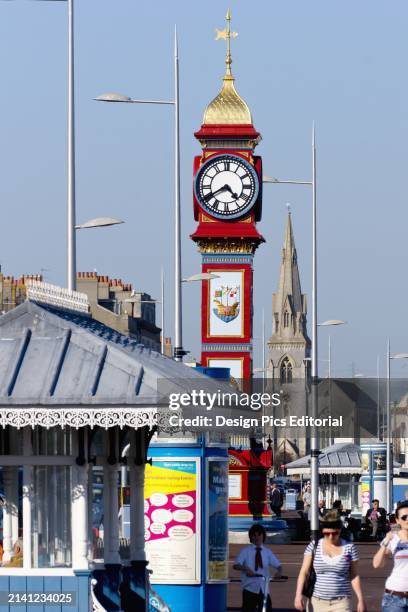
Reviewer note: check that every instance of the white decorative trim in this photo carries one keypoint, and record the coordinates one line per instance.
(79, 417)
(96, 605)
(325, 470)
(57, 296)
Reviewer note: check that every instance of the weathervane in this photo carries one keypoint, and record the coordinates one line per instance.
(226, 35)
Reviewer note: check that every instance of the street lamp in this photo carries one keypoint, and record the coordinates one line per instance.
(390, 459)
(314, 451)
(200, 277)
(329, 323)
(99, 222)
(114, 97)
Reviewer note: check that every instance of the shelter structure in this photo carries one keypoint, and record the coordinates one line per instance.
(73, 394)
(339, 471)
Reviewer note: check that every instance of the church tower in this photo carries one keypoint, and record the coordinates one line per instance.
(289, 345)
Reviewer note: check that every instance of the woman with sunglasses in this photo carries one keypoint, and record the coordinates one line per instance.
(335, 563)
(395, 544)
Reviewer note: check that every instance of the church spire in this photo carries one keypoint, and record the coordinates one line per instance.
(289, 340)
(289, 292)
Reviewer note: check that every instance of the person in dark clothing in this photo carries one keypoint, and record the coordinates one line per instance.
(377, 517)
(322, 508)
(276, 501)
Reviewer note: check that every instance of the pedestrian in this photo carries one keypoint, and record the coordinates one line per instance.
(395, 544)
(307, 500)
(17, 558)
(335, 563)
(276, 500)
(255, 562)
(322, 508)
(377, 518)
(346, 532)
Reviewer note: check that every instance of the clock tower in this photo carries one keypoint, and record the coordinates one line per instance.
(227, 195)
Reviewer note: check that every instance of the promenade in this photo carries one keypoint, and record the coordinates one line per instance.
(291, 556)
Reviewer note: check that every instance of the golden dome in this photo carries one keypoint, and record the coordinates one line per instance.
(228, 107)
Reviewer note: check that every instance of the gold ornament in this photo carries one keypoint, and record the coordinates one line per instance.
(228, 245)
(228, 108)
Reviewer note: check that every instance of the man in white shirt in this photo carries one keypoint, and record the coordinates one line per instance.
(255, 561)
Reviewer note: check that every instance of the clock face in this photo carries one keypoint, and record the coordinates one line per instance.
(226, 186)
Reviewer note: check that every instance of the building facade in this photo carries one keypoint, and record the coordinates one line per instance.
(13, 291)
(115, 304)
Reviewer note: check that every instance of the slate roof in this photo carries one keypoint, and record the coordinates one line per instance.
(53, 356)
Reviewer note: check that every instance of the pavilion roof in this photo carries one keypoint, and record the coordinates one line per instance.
(339, 458)
(53, 357)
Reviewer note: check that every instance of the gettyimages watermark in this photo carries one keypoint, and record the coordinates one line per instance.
(338, 408)
(200, 398)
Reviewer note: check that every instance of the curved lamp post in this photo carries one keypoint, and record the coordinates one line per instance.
(330, 323)
(200, 277)
(314, 442)
(114, 97)
(99, 222)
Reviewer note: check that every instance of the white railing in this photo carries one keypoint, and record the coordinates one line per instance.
(53, 295)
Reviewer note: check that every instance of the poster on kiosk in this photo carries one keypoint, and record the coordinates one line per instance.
(172, 520)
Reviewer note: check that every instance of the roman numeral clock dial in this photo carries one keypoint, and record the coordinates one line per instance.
(226, 186)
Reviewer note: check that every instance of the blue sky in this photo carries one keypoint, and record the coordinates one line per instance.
(341, 64)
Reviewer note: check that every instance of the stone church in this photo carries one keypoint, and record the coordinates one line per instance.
(288, 364)
(289, 345)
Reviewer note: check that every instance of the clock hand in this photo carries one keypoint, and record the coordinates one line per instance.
(211, 194)
(234, 195)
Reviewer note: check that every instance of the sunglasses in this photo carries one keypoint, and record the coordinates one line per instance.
(404, 517)
(327, 534)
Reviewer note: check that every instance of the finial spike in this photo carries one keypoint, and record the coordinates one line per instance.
(288, 207)
(226, 35)
(313, 134)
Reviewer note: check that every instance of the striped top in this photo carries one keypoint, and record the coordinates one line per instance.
(333, 573)
(398, 581)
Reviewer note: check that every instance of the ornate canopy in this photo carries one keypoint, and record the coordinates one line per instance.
(62, 368)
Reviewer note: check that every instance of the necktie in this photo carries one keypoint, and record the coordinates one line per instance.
(258, 558)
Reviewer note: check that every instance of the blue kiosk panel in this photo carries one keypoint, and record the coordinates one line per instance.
(77, 585)
(208, 590)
